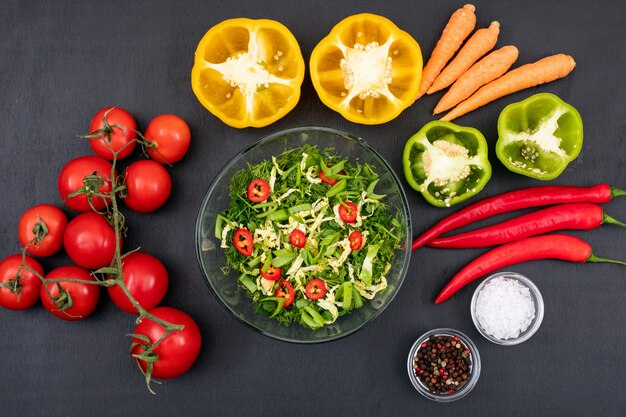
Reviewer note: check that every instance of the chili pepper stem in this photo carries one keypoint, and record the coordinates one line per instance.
(606, 219)
(616, 192)
(594, 258)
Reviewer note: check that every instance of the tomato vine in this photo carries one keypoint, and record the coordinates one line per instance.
(111, 275)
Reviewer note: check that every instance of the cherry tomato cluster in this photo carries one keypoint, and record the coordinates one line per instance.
(87, 184)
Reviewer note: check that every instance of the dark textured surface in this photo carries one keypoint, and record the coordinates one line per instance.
(61, 62)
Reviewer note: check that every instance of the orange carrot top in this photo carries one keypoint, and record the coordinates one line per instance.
(460, 25)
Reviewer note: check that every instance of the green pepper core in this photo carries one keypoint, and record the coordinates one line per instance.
(446, 162)
(538, 137)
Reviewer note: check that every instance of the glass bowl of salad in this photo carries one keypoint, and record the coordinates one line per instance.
(304, 236)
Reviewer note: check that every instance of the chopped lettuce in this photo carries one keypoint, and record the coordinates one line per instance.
(299, 199)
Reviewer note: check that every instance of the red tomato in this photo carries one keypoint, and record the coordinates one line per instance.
(315, 289)
(258, 191)
(243, 241)
(330, 181)
(84, 296)
(348, 212)
(285, 290)
(122, 128)
(297, 238)
(90, 241)
(72, 178)
(177, 352)
(169, 136)
(356, 240)
(28, 283)
(148, 186)
(30, 227)
(272, 274)
(146, 279)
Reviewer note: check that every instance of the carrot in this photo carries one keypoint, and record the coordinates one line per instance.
(545, 70)
(459, 27)
(484, 71)
(481, 42)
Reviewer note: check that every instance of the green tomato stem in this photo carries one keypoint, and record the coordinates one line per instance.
(117, 262)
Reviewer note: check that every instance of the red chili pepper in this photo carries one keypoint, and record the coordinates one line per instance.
(348, 212)
(516, 200)
(564, 247)
(315, 289)
(258, 190)
(285, 290)
(578, 216)
(327, 180)
(297, 238)
(272, 273)
(356, 240)
(243, 241)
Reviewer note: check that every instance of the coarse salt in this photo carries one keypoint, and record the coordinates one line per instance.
(505, 308)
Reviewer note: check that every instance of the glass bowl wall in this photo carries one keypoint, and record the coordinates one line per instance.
(211, 257)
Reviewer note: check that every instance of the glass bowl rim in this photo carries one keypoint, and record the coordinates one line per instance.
(274, 136)
(535, 294)
(474, 374)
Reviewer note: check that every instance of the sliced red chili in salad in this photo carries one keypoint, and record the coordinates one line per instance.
(243, 241)
(315, 289)
(348, 212)
(327, 180)
(356, 240)
(297, 238)
(272, 273)
(258, 191)
(285, 290)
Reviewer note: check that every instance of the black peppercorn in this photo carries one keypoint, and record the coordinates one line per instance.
(443, 364)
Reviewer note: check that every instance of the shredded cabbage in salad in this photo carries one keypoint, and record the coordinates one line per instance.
(300, 199)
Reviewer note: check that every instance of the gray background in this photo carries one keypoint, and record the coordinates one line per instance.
(63, 61)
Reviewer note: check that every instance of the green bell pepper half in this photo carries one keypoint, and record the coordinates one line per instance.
(538, 137)
(446, 162)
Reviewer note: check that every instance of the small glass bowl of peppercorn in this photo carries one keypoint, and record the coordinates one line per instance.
(444, 365)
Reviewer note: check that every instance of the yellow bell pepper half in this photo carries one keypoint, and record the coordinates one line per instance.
(248, 72)
(367, 69)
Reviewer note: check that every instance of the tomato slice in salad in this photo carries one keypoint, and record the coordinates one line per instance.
(271, 273)
(258, 191)
(356, 240)
(285, 290)
(243, 241)
(327, 180)
(315, 289)
(297, 238)
(348, 212)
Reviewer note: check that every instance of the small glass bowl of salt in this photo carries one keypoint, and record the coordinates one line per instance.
(507, 308)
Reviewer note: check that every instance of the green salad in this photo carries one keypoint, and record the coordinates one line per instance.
(308, 235)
